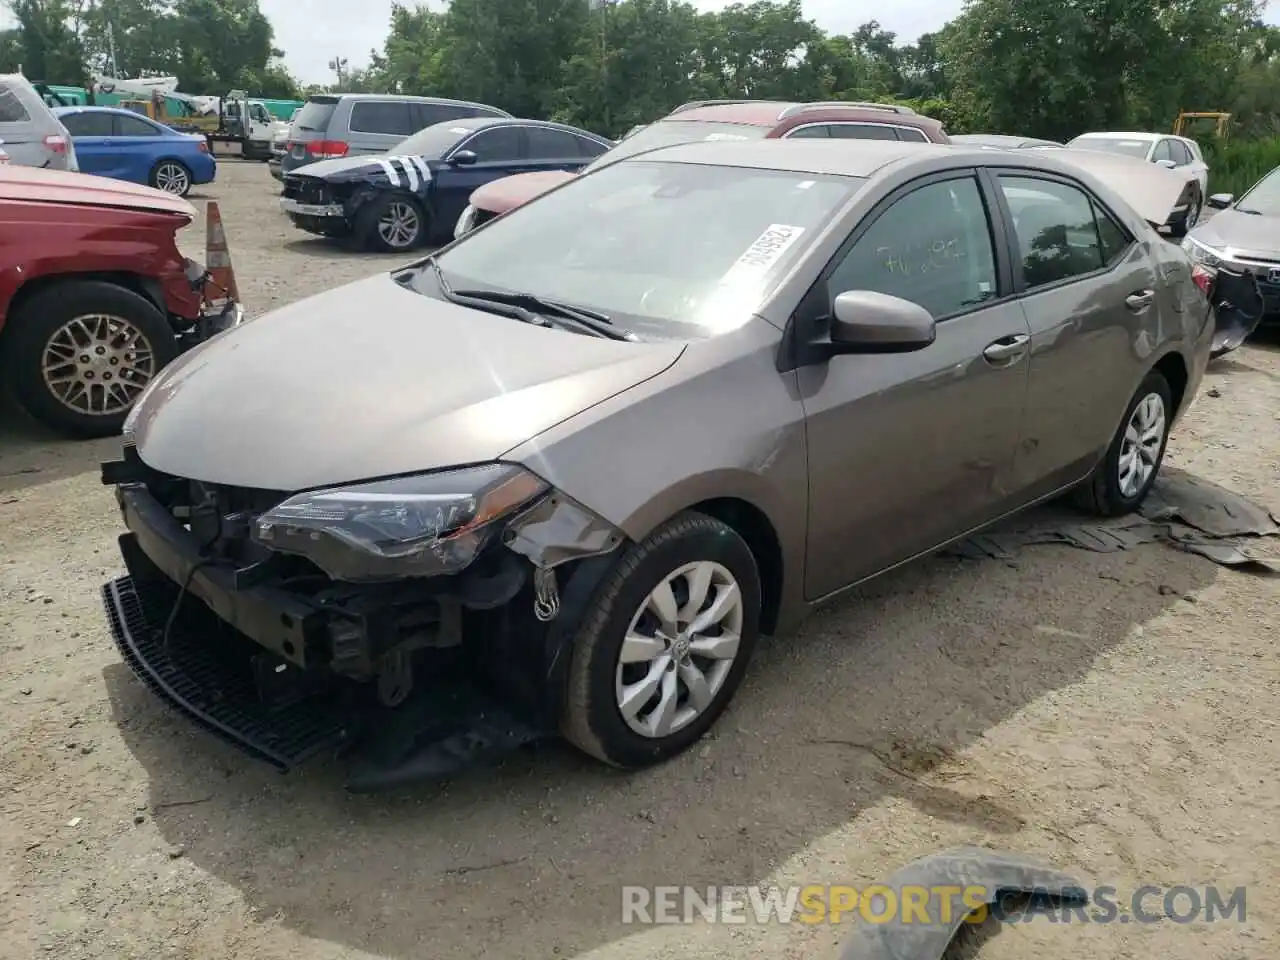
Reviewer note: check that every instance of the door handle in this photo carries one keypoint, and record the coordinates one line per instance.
(1140, 300)
(1006, 349)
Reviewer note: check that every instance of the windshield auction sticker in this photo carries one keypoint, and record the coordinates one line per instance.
(763, 254)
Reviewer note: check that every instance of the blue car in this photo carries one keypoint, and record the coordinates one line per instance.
(413, 194)
(125, 146)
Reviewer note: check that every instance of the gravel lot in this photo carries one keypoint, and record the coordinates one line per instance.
(1114, 713)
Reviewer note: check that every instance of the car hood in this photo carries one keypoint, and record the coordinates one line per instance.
(499, 196)
(359, 168)
(1241, 234)
(373, 380)
(58, 186)
(1152, 191)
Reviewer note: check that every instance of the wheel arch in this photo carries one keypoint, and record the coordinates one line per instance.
(753, 525)
(1173, 367)
(144, 287)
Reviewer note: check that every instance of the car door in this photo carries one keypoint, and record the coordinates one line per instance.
(133, 147)
(1185, 159)
(91, 133)
(375, 126)
(499, 150)
(549, 149)
(1090, 294)
(907, 451)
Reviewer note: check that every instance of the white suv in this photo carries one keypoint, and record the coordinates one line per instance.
(1176, 153)
(31, 134)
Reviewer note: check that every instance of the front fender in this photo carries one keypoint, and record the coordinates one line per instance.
(995, 872)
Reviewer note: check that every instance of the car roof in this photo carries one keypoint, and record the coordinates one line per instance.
(848, 158)
(1123, 135)
(479, 123)
(88, 108)
(334, 97)
(762, 113)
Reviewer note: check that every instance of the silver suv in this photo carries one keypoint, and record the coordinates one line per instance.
(351, 124)
(29, 132)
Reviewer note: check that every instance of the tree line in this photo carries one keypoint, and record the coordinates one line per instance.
(1035, 67)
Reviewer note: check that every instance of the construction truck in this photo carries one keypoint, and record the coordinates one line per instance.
(234, 125)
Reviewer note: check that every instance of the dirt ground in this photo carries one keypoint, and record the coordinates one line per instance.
(1115, 714)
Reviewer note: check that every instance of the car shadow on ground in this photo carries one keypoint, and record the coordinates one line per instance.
(872, 700)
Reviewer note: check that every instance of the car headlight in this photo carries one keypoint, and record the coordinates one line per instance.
(424, 525)
(1201, 253)
(466, 223)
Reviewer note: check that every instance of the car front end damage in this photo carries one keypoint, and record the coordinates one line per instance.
(318, 206)
(415, 625)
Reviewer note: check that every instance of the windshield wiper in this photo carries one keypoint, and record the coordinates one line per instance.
(1249, 210)
(515, 311)
(592, 320)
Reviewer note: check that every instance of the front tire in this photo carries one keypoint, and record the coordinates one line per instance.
(1123, 479)
(664, 645)
(1187, 223)
(79, 353)
(393, 223)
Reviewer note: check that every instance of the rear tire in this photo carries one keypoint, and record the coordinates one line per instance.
(676, 678)
(1187, 224)
(171, 176)
(59, 348)
(1120, 483)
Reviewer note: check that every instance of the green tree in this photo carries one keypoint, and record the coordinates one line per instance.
(49, 48)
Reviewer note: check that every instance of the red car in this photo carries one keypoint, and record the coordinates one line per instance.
(95, 296)
(719, 120)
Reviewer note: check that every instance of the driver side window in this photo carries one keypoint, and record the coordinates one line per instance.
(932, 247)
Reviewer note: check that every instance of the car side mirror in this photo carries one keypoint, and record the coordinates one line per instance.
(463, 158)
(1220, 201)
(864, 321)
(1167, 164)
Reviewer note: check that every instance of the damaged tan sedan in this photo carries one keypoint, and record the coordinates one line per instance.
(561, 475)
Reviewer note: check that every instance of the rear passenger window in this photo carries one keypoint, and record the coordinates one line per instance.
(912, 135)
(590, 148)
(11, 108)
(429, 113)
(134, 127)
(932, 247)
(1058, 235)
(382, 116)
(861, 131)
(547, 144)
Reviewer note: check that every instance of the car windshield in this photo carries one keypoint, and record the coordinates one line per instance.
(436, 140)
(1263, 197)
(667, 250)
(666, 133)
(1129, 147)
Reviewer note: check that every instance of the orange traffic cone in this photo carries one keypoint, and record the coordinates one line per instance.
(217, 258)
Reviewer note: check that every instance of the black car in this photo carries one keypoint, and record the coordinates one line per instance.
(413, 194)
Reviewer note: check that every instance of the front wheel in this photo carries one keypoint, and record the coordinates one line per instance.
(1125, 476)
(394, 223)
(1186, 224)
(79, 353)
(665, 644)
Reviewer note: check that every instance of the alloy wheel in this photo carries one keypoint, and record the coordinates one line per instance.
(399, 225)
(679, 649)
(1142, 445)
(172, 178)
(97, 364)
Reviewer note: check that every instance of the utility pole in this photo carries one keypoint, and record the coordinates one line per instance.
(603, 6)
(338, 65)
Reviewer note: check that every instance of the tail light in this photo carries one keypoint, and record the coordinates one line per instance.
(327, 149)
(1202, 277)
(56, 143)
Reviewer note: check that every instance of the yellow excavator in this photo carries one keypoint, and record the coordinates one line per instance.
(1222, 123)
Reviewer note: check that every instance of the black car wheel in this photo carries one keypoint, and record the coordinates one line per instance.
(395, 223)
(78, 355)
(1125, 475)
(1183, 225)
(664, 643)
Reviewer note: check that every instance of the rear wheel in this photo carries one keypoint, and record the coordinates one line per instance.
(171, 176)
(395, 223)
(1185, 225)
(665, 644)
(1126, 474)
(79, 353)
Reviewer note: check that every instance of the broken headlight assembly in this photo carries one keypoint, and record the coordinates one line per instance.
(424, 525)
